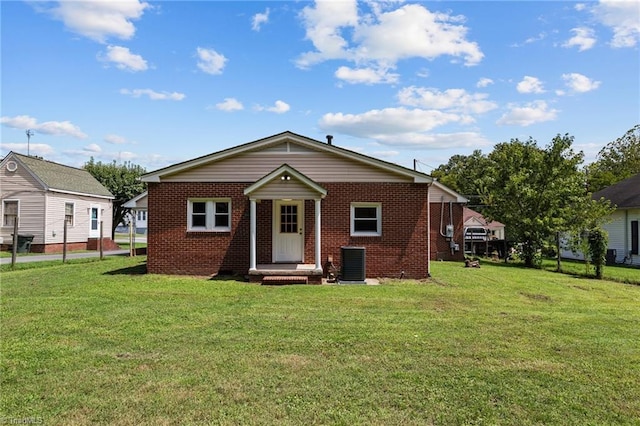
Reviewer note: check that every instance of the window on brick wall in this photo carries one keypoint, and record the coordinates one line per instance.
(10, 211)
(209, 215)
(366, 219)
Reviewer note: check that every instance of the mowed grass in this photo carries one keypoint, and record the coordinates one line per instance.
(103, 343)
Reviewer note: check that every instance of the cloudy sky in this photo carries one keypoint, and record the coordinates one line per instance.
(155, 83)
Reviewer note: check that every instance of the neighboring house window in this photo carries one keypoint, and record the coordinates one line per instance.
(142, 215)
(366, 219)
(209, 215)
(10, 209)
(69, 209)
(634, 237)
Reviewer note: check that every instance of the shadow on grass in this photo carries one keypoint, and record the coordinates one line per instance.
(140, 269)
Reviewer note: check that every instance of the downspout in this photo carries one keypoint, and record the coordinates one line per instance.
(452, 242)
(441, 215)
(429, 230)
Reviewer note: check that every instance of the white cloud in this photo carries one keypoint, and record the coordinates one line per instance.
(578, 83)
(530, 85)
(153, 95)
(403, 127)
(389, 121)
(528, 114)
(622, 18)
(435, 140)
(99, 19)
(33, 148)
(378, 40)
(20, 122)
(124, 59)
(230, 104)
(210, 61)
(115, 139)
(583, 38)
(93, 148)
(451, 99)
(280, 107)
(484, 82)
(56, 128)
(259, 19)
(365, 75)
(385, 154)
(580, 7)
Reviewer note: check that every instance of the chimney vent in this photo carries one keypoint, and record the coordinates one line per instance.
(329, 139)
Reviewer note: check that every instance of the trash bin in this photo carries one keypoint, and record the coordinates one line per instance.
(24, 243)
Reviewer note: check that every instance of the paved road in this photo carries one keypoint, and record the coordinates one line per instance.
(58, 256)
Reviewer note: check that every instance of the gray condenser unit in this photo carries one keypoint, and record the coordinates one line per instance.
(353, 261)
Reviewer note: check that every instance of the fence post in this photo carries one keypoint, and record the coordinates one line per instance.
(100, 243)
(64, 242)
(14, 249)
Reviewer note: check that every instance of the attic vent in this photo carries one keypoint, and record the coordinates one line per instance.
(12, 166)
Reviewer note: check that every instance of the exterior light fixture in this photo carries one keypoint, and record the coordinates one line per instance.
(285, 177)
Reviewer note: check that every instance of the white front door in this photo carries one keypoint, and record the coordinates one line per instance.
(288, 231)
(94, 222)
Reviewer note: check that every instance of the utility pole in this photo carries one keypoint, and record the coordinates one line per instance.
(29, 133)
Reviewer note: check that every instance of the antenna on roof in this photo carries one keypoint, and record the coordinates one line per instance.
(29, 133)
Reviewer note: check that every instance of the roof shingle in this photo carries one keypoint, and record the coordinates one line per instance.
(64, 178)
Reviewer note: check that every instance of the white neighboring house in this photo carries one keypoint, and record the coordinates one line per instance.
(138, 206)
(623, 222)
(43, 195)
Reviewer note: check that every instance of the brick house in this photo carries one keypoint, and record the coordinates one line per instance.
(288, 204)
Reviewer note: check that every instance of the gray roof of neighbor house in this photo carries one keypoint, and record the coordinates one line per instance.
(624, 194)
(63, 178)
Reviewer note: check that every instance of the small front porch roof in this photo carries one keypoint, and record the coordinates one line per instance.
(284, 174)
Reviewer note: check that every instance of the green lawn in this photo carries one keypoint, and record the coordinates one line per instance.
(102, 343)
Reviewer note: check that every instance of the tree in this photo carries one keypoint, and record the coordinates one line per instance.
(463, 173)
(617, 161)
(535, 192)
(123, 181)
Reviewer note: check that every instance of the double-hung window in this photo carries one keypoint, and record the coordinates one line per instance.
(10, 212)
(366, 219)
(69, 209)
(209, 215)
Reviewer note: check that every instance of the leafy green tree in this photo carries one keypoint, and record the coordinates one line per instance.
(122, 180)
(535, 192)
(464, 173)
(617, 161)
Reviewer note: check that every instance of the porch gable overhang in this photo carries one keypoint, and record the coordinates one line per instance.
(285, 173)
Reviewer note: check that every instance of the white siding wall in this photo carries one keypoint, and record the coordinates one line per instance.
(619, 230)
(632, 214)
(20, 185)
(616, 229)
(79, 232)
(437, 195)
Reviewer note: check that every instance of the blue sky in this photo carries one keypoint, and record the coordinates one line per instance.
(156, 83)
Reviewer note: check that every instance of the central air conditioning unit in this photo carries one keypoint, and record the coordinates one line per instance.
(353, 265)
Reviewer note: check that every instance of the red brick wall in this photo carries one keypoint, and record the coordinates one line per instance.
(440, 218)
(401, 248)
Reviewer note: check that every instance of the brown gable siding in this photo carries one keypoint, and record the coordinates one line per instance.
(319, 166)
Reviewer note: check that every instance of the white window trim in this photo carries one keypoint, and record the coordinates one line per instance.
(3, 208)
(73, 216)
(378, 207)
(210, 215)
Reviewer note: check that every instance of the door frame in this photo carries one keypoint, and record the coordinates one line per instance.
(94, 233)
(275, 230)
